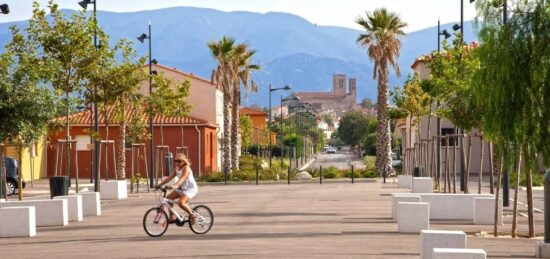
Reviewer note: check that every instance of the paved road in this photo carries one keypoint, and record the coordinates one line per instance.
(340, 160)
(339, 220)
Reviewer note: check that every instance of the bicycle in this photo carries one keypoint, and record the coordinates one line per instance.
(155, 220)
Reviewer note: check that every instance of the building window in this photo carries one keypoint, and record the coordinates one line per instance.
(453, 141)
(82, 142)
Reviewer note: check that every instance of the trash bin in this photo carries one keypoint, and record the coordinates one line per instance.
(416, 172)
(169, 162)
(59, 186)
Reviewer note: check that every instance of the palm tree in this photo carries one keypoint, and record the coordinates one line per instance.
(225, 76)
(242, 56)
(381, 39)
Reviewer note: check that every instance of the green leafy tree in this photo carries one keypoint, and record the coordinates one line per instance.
(383, 29)
(27, 103)
(245, 126)
(367, 103)
(353, 128)
(513, 88)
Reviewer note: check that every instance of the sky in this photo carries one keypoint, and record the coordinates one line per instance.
(418, 14)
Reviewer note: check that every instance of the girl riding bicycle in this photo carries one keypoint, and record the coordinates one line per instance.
(184, 188)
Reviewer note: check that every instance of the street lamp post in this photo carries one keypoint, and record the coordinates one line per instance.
(95, 168)
(142, 38)
(438, 122)
(290, 98)
(286, 87)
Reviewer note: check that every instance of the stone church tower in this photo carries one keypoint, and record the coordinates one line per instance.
(352, 88)
(338, 84)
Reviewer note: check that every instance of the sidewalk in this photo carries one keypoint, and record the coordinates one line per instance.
(333, 220)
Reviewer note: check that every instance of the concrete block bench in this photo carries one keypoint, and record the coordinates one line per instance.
(455, 253)
(401, 198)
(114, 190)
(484, 211)
(430, 239)
(48, 212)
(2, 200)
(17, 221)
(422, 185)
(91, 205)
(449, 206)
(74, 203)
(404, 181)
(413, 217)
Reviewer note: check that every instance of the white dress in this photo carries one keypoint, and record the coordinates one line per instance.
(189, 188)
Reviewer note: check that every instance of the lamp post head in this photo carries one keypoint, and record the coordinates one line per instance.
(142, 37)
(456, 27)
(446, 33)
(4, 8)
(154, 61)
(84, 3)
(287, 87)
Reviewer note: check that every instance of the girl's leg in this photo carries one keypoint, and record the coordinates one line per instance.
(172, 196)
(182, 202)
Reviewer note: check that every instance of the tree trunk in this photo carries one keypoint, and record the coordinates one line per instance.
(514, 219)
(497, 201)
(468, 159)
(121, 160)
(480, 175)
(235, 128)
(106, 151)
(383, 138)
(410, 144)
(491, 166)
(226, 132)
(428, 136)
(529, 183)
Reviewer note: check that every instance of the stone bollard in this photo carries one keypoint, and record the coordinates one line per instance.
(543, 247)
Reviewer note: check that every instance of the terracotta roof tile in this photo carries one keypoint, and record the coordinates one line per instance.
(85, 118)
(251, 111)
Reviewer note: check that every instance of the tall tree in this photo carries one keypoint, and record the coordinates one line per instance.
(381, 38)
(225, 75)
(242, 56)
(27, 102)
(513, 88)
(353, 128)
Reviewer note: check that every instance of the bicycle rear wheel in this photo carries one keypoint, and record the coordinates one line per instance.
(155, 222)
(204, 221)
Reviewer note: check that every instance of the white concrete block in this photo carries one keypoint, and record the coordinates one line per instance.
(2, 200)
(412, 217)
(74, 203)
(91, 205)
(422, 185)
(404, 181)
(484, 211)
(542, 249)
(114, 190)
(458, 253)
(48, 212)
(17, 221)
(402, 198)
(430, 239)
(451, 206)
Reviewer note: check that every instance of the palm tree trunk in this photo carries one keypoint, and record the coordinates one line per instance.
(226, 132)
(235, 128)
(383, 143)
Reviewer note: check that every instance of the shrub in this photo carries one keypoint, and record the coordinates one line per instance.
(330, 172)
(347, 173)
(538, 179)
(370, 173)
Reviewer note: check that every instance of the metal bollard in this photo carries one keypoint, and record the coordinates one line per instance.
(547, 206)
(169, 162)
(288, 175)
(505, 189)
(257, 171)
(321, 174)
(352, 174)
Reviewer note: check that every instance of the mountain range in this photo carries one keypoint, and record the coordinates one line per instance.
(290, 50)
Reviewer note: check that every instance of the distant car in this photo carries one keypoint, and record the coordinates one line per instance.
(331, 150)
(395, 160)
(11, 176)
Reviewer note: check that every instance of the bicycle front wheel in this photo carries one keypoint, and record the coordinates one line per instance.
(205, 220)
(155, 222)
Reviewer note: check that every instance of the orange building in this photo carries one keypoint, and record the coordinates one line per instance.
(193, 136)
(259, 125)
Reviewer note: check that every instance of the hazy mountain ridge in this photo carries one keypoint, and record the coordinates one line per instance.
(290, 49)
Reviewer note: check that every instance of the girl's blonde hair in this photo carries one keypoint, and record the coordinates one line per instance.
(182, 156)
